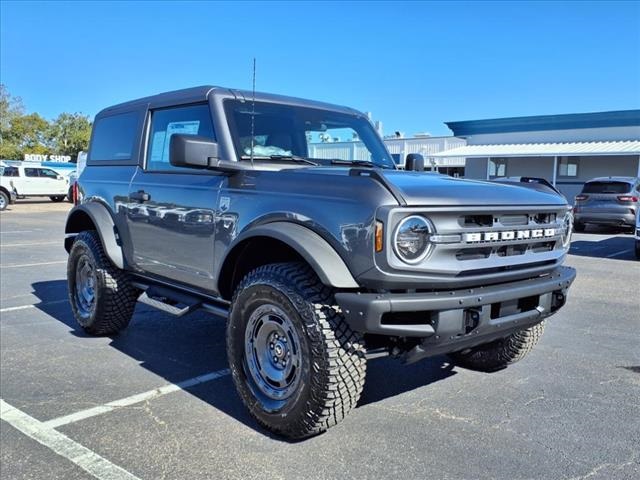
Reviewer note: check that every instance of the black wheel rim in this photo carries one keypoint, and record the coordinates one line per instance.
(85, 286)
(272, 356)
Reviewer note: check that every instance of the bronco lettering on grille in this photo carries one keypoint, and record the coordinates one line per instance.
(510, 235)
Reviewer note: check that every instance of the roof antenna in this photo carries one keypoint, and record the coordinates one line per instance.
(253, 110)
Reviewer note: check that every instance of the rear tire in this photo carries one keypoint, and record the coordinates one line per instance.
(578, 227)
(501, 353)
(297, 366)
(57, 198)
(637, 249)
(101, 296)
(4, 201)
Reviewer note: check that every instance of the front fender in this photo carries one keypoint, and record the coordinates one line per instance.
(321, 256)
(95, 216)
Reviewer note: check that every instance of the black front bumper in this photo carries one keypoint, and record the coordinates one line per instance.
(457, 319)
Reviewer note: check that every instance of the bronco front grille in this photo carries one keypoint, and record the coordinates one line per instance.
(481, 240)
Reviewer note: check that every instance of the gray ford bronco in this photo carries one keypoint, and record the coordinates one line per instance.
(289, 218)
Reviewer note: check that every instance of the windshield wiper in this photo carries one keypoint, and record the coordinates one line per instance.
(281, 158)
(358, 163)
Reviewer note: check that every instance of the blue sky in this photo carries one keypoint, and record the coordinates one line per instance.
(413, 65)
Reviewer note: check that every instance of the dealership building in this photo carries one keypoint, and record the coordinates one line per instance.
(567, 150)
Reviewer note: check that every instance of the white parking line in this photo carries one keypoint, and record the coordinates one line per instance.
(29, 244)
(133, 399)
(32, 264)
(25, 307)
(618, 253)
(16, 232)
(86, 459)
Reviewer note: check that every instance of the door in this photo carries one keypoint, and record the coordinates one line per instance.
(16, 178)
(51, 182)
(31, 184)
(171, 211)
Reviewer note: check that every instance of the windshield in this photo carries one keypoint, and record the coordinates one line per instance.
(314, 134)
(606, 187)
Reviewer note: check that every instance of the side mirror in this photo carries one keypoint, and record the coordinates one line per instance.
(59, 177)
(191, 151)
(194, 151)
(414, 163)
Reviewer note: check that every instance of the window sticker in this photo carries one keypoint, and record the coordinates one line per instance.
(161, 139)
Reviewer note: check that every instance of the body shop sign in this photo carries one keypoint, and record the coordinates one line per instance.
(32, 157)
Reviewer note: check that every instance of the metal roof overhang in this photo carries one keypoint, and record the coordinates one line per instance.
(626, 147)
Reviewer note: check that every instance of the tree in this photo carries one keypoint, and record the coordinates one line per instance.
(30, 133)
(22, 133)
(11, 108)
(69, 133)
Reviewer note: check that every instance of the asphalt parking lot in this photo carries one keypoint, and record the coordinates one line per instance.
(157, 402)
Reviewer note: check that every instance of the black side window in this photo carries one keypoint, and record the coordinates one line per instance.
(11, 172)
(114, 137)
(191, 120)
(30, 172)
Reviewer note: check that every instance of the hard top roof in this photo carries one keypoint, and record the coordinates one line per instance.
(202, 93)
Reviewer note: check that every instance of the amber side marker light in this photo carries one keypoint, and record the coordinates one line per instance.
(379, 235)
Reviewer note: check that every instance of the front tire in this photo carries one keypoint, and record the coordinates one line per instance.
(637, 249)
(4, 201)
(501, 353)
(101, 296)
(297, 366)
(578, 227)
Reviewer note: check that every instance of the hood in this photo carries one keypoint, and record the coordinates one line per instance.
(425, 189)
(429, 189)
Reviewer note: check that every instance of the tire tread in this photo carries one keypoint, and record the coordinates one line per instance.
(116, 299)
(502, 353)
(338, 353)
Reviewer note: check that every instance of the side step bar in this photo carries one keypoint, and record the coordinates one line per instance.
(175, 302)
(167, 307)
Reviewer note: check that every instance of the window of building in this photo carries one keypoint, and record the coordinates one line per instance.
(497, 167)
(568, 166)
(191, 120)
(114, 136)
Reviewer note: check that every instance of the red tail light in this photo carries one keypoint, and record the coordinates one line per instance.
(627, 199)
(75, 193)
(581, 198)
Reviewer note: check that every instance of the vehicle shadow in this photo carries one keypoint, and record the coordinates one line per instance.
(178, 349)
(614, 248)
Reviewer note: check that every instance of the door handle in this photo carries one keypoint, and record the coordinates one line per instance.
(140, 196)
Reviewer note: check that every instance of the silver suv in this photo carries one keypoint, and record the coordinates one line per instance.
(609, 201)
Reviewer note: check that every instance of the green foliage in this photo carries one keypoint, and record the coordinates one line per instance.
(22, 133)
(70, 133)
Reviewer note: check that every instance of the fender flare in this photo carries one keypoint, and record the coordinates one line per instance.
(104, 225)
(314, 249)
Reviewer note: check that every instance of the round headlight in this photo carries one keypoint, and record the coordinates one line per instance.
(567, 228)
(411, 239)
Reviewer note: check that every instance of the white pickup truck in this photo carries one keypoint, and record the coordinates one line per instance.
(7, 191)
(35, 181)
